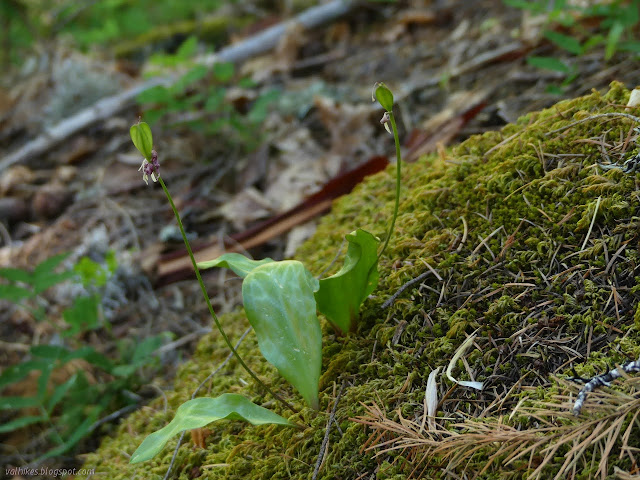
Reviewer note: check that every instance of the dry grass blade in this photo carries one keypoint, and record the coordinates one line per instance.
(527, 443)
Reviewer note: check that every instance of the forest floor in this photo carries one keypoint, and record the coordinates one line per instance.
(458, 68)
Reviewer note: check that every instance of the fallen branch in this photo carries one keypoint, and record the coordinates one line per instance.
(260, 43)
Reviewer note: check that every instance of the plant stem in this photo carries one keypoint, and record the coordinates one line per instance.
(210, 307)
(398, 165)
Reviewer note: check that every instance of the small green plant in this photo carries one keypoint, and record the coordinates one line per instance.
(95, 24)
(199, 100)
(281, 301)
(67, 411)
(616, 31)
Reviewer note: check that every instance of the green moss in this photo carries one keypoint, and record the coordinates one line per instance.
(502, 220)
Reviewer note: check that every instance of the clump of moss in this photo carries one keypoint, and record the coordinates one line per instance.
(531, 245)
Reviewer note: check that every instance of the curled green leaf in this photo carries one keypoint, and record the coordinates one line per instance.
(142, 138)
(240, 264)
(199, 412)
(341, 295)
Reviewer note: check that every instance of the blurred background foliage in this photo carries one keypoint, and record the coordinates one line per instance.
(92, 24)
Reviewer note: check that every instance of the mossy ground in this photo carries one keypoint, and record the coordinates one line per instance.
(504, 222)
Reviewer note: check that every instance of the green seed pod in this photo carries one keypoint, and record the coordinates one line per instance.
(384, 96)
(142, 139)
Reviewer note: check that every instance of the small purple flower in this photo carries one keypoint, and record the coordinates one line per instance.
(150, 168)
(385, 120)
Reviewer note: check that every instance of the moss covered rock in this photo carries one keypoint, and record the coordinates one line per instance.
(518, 236)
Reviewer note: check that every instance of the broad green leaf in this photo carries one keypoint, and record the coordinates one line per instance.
(199, 412)
(565, 42)
(142, 138)
(240, 264)
(16, 275)
(11, 403)
(341, 295)
(14, 293)
(21, 422)
(549, 63)
(279, 302)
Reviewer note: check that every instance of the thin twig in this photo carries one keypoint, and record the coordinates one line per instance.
(411, 282)
(202, 384)
(325, 440)
(593, 117)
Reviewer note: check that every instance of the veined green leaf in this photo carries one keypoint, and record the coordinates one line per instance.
(199, 412)
(280, 305)
(341, 295)
(240, 264)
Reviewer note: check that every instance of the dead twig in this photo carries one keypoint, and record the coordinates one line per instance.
(107, 107)
(325, 440)
(594, 117)
(411, 282)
